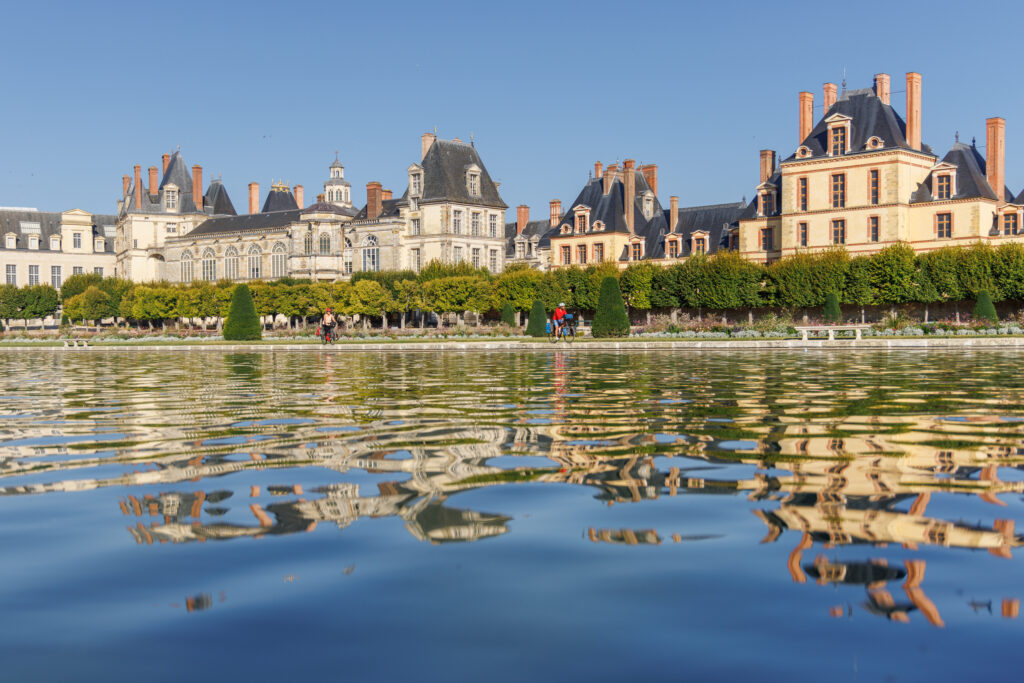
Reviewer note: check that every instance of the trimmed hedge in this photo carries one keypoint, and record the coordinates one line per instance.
(536, 327)
(610, 320)
(832, 313)
(983, 308)
(242, 324)
(508, 316)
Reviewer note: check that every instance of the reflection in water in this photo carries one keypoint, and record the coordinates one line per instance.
(922, 451)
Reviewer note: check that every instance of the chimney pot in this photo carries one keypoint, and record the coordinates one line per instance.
(995, 156)
(254, 197)
(300, 196)
(609, 177)
(126, 182)
(426, 140)
(831, 93)
(556, 212)
(882, 87)
(385, 195)
(154, 185)
(914, 110)
(673, 214)
(522, 218)
(767, 164)
(197, 187)
(373, 199)
(597, 169)
(629, 172)
(138, 187)
(806, 115)
(166, 159)
(650, 172)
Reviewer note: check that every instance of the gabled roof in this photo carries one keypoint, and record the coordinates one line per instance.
(49, 224)
(279, 199)
(244, 223)
(217, 200)
(870, 117)
(714, 219)
(444, 175)
(971, 181)
(177, 173)
(542, 230)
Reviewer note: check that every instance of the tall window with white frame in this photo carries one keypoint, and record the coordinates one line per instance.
(98, 270)
(231, 264)
(371, 254)
(581, 254)
(415, 260)
(943, 187)
(76, 240)
(457, 221)
(474, 224)
(255, 262)
(12, 274)
(838, 140)
(77, 270)
(307, 244)
(278, 261)
(474, 184)
(346, 257)
(170, 198)
(457, 254)
(186, 266)
(325, 244)
(566, 254)
(417, 185)
(11, 241)
(33, 275)
(208, 265)
(475, 257)
(599, 252)
(493, 263)
(493, 227)
(414, 226)
(55, 279)
(700, 245)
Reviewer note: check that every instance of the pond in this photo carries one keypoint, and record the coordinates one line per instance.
(511, 515)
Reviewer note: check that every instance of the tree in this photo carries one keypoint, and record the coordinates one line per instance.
(508, 316)
(76, 284)
(92, 304)
(893, 271)
(832, 312)
(369, 297)
(610, 320)
(984, 310)
(408, 297)
(242, 324)
(537, 325)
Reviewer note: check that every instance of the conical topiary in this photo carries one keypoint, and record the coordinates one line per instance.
(610, 320)
(983, 308)
(832, 312)
(508, 316)
(242, 323)
(538, 317)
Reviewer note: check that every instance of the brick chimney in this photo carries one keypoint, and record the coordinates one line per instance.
(597, 169)
(426, 140)
(138, 187)
(522, 218)
(609, 177)
(995, 156)
(767, 164)
(153, 182)
(831, 93)
(806, 115)
(197, 186)
(385, 195)
(629, 171)
(300, 196)
(650, 172)
(882, 87)
(126, 182)
(673, 212)
(254, 197)
(373, 199)
(914, 109)
(556, 212)
(166, 159)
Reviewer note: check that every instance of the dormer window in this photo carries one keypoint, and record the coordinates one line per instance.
(598, 226)
(803, 151)
(875, 142)
(838, 134)
(838, 141)
(11, 241)
(33, 242)
(943, 187)
(699, 243)
(170, 198)
(473, 180)
(54, 244)
(98, 244)
(416, 183)
(672, 248)
(943, 181)
(767, 204)
(648, 206)
(76, 240)
(582, 218)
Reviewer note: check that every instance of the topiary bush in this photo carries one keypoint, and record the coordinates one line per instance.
(508, 316)
(983, 308)
(832, 313)
(242, 323)
(538, 317)
(610, 320)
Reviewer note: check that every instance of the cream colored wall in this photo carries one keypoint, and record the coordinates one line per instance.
(437, 241)
(614, 244)
(23, 258)
(972, 221)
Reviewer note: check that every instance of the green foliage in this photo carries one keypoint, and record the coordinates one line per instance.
(76, 284)
(804, 279)
(242, 324)
(892, 273)
(520, 287)
(536, 326)
(636, 284)
(939, 269)
(458, 294)
(723, 281)
(388, 278)
(610, 319)
(436, 270)
(92, 304)
(368, 297)
(975, 270)
(983, 308)
(38, 301)
(115, 288)
(858, 288)
(508, 316)
(1008, 270)
(832, 313)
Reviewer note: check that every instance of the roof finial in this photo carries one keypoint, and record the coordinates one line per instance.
(974, 141)
(435, 131)
(956, 137)
(472, 140)
(844, 80)
(335, 155)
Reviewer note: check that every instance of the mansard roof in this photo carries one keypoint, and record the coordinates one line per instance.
(870, 117)
(279, 199)
(714, 219)
(245, 223)
(971, 181)
(444, 175)
(16, 220)
(178, 174)
(328, 207)
(609, 208)
(389, 209)
(542, 230)
(217, 200)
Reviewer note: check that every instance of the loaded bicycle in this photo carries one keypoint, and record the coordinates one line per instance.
(566, 331)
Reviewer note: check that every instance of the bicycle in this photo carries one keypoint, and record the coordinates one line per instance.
(567, 331)
(327, 334)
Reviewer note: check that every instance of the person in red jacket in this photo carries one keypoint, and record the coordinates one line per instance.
(558, 317)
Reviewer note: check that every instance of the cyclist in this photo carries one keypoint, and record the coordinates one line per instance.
(327, 323)
(558, 318)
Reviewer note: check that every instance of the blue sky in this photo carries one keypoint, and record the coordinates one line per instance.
(261, 91)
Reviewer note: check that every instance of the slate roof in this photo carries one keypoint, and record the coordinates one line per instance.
(542, 229)
(328, 207)
(279, 200)
(870, 118)
(245, 223)
(389, 209)
(178, 173)
(444, 175)
(217, 200)
(715, 219)
(971, 181)
(49, 224)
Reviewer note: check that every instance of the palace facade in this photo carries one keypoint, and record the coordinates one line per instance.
(45, 247)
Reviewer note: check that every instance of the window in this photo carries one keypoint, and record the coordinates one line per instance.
(77, 270)
(700, 245)
(186, 266)
(838, 190)
(12, 274)
(98, 270)
(581, 254)
(417, 184)
(54, 244)
(76, 240)
(873, 186)
(873, 228)
(493, 225)
(208, 265)
(231, 264)
(33, 275)
(839, 232)
(325, 244)
(581, 223)
(255, 261)
(766, 239)
(278, 261)
(12, 242)
(170, 198)
(415, 259)
(135, 244)
(801, 184)
(767, 204)
(494, 261)
(55, 278)
(347, 257)
(673, 249)
(307, 244)
(1010, 224)
(476, 257)
(457, 222)
(474, 184)
(648, 207)
(802, 236)
(943, 188)
(474, 224)
(371, 254)
(944, 225)
(637, 251)
(734, 240)
(838, 140)
(33, 242)
(414, 226)
(566, 255)
(457, 253)
(520, 250)
(98, 245)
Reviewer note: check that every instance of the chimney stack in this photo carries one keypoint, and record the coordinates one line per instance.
(138, 187)
(426, 140)
(373, 200)
(522, 218)
(126, 182)
(914, 110)
(806, 115)
(630, 183)
(153, 182)
(673, 213)
(166, 159)
(556, 212)
(767, 164)
(882, 87)
(254, 197)
(609, 177)
(597, 169)
(995, 156)
(300, 196)
(385, 195)
(831, 93)
(197, 187)
(650, 172)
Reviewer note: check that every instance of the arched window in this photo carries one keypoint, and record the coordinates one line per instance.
(325, 244)
(371, 253)
(231, 264)
(255, 259)
(308, 244)
(347, 257)
(277, 261)
(209, 265)
(186, 266)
